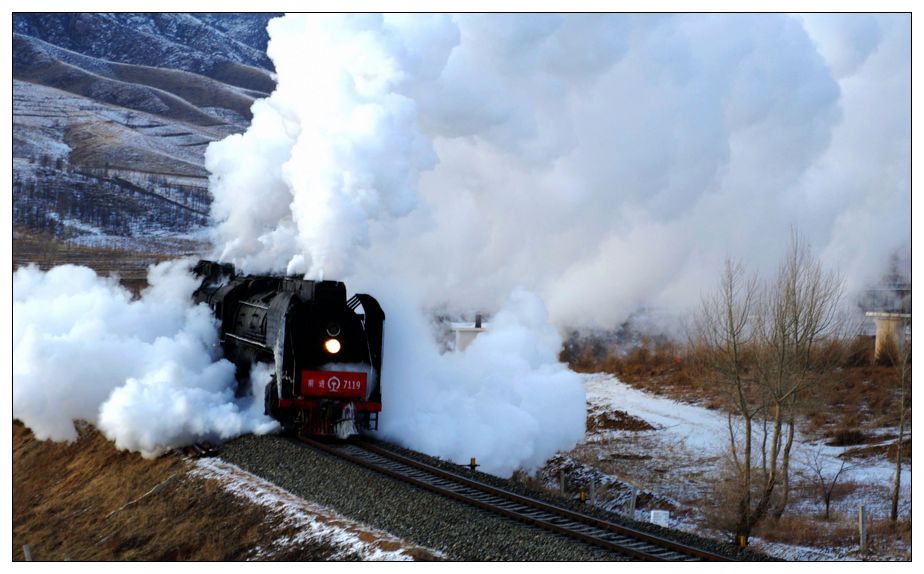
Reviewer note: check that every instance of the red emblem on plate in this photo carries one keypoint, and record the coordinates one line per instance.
(337, 384)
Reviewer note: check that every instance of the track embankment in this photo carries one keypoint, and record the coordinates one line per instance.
(86, 500)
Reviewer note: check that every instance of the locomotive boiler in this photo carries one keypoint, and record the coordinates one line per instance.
(325, 350)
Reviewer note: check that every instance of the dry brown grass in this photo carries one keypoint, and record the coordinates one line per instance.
(885, 540)
(615, 420)
(842, 530)
(86, 501)
(806, 531)
(73, 79)
(198, 90)
(849, 398)
(47, 252)
(662, 368)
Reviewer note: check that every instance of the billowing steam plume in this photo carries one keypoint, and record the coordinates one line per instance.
(505, 400)
(606, 162)
(146, 372)
(557, 170)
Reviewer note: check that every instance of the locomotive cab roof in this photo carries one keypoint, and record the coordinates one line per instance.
(319, 292)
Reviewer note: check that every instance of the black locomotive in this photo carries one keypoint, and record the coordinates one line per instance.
(326, 349)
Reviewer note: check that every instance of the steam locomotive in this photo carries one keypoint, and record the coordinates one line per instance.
(326, 350)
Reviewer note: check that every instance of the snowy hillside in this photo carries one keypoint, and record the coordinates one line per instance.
(112, 114)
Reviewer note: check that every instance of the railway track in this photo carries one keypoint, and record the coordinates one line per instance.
(633, 544)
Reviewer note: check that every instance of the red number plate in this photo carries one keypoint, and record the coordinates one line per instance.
(339, 384)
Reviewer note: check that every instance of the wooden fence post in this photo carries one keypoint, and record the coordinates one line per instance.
(862, 515)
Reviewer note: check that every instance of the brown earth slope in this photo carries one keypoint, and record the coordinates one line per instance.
(75, 502)
(88, 501)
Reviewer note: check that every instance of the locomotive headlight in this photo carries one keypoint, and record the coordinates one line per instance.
(332, 346)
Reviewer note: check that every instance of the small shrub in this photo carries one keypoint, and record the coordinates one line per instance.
(859, 352)
(888, 353)
(639, 355)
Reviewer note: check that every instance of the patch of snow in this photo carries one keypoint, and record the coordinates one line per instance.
(695, 427)
(74, 223)
(704, 431)
(801, 553)
(680, 459)
(314, 522)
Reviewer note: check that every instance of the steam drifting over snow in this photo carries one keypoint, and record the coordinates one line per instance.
(564, 169)
(145, 372)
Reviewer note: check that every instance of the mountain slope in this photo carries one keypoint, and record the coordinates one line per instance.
(38, 62)
(112, 114)
(175, 41)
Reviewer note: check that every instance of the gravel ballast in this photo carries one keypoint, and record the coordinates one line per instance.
(460, 531)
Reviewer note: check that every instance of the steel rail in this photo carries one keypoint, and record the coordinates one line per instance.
(615, 538)
(557, 510)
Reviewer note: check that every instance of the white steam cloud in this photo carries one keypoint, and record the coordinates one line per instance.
(505, 400)
(146, 372)
(351, 128)
(558, 170)
(603, 162)
(606, 162)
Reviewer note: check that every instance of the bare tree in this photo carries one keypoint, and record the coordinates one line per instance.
(903, 370)
(761, 345)
(722, 334)
(822, 478)
(799, 308)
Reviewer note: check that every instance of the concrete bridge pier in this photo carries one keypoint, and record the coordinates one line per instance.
(889, 326)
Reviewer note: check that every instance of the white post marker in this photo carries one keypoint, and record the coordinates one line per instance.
(660, 517)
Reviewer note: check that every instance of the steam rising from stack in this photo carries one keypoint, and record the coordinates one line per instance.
(566, 169)
(606, 162)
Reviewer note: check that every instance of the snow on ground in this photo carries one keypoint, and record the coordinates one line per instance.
(681, 456)
(152, 241)
(705, 432)
(77, 225)
(694, 427)
(676, 458)
(351, 539)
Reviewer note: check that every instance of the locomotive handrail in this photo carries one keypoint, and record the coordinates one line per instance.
(249, 341)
